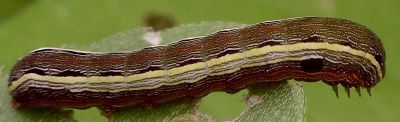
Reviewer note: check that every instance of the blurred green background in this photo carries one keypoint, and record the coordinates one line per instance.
(29, 24)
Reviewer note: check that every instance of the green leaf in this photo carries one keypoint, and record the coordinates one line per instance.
(30, 24)
(174, 110)
(275, 103)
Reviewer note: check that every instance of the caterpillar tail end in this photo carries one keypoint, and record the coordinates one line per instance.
(15, 104)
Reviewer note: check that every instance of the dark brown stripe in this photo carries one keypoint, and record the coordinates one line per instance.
(184, 52)
(144, 60)
(221, 43)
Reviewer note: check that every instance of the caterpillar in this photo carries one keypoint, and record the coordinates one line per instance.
(336, 51)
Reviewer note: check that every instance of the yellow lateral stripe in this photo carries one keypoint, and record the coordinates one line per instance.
(103, 79)
(223, 59)
(146, 75)
(26, 77)
(212, 62)
(143, 88)
(193, 80)
(183, 69)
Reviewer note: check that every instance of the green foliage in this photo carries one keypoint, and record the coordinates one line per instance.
(174, 110)
(276, 103)
(8, 8)
(25, 26)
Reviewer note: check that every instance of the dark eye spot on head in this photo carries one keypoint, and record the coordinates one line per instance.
(379, 58)
(312, 65)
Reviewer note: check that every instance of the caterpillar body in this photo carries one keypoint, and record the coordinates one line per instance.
(336, 51)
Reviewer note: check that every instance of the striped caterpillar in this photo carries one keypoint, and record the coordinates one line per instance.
(333, 50)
